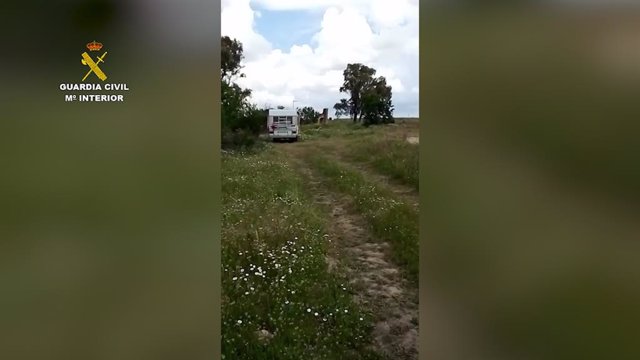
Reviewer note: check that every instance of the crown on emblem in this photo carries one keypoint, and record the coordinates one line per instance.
(94, 46)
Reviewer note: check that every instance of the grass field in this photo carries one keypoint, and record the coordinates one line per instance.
(320, 246)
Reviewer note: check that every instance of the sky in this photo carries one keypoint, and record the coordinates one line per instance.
(297, 50)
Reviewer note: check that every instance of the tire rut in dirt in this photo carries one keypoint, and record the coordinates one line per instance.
(378, 282)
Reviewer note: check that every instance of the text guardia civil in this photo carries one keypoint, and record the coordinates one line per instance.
(94, 87)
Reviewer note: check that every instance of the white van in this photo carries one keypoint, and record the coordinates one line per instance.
(283, 125)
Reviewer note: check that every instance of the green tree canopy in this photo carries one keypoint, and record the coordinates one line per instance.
(308, 115)
(369, 96)
(342, 108)
(241, 121)
(376, 103)
(231, 58)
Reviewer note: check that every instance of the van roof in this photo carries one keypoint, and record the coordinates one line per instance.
(283, 112)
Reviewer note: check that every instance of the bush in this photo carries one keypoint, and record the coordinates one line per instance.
(242, 128)
(241, 121)
(238, 138)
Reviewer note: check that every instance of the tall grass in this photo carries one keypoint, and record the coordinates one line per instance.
(336, 128)
(389, 219)
(393, 157)
(279, 299)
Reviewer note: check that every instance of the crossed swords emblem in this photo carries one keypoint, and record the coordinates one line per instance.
(93, 66)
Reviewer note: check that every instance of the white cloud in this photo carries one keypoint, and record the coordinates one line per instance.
(382, 34)
(387, 13)
(306, 4)
(237, 19)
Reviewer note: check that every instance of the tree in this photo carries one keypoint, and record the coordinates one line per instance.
(231, 57)
(342, 108)
(241, 121)
(376, 103)
(308, 115)
(357, 78)
(367, 95)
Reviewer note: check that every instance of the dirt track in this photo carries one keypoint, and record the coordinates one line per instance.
(365, 259)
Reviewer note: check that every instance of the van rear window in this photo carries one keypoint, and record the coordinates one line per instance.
(283, 119)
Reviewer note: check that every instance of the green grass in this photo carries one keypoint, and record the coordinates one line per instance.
(383, 147)
(274, 273)
(333, 129)
(389, 219)
(395, 158)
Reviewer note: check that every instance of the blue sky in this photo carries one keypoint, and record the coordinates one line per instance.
(297, 50)
(287, 28)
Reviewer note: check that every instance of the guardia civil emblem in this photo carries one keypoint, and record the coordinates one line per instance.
(93, 65)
